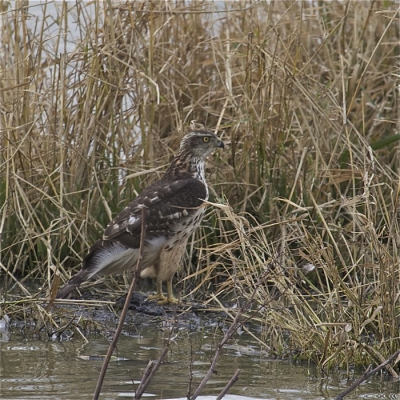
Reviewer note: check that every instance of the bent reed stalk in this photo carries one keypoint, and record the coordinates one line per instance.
(95, 97)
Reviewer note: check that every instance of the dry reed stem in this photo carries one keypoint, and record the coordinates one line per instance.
(148, 374)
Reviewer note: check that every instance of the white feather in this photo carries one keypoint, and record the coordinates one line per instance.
(115, 259)
(132, 220)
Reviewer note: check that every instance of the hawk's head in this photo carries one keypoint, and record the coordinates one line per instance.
(199, 143)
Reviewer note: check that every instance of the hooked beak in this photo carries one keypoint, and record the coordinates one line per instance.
(221, 144)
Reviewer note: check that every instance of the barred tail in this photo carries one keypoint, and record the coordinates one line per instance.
(72, 284)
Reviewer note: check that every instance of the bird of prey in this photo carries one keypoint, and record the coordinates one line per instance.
(174, 207)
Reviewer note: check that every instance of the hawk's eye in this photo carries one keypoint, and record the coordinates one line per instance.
(206, 139)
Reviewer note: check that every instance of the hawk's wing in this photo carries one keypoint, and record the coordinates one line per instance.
(166, 204)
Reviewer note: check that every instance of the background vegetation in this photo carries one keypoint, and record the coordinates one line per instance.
(95, 97)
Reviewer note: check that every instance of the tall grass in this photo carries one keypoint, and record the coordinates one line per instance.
(95, 97)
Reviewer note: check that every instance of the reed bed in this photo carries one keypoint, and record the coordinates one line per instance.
(95, 97)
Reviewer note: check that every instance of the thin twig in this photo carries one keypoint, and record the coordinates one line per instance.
(232, 381)
(367, 375)
(124, 311)
(145, 376)
(236, 323)
(190, 383)
(151, 369)
(229, 333)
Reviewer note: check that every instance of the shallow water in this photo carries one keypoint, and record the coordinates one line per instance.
(37, 369)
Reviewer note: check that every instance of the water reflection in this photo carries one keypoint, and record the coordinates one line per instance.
(53, 370)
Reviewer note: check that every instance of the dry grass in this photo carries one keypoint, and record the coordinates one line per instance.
(305, 95)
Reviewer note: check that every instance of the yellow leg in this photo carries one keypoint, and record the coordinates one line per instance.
(159, 296)
(170, 295)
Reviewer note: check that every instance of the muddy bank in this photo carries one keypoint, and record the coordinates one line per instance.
(74, 319)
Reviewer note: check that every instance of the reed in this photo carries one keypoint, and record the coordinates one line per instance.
(95, 97)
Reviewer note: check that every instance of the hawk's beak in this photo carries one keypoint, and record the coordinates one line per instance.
(221, 144)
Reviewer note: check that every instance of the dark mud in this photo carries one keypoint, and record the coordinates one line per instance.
(67, 319)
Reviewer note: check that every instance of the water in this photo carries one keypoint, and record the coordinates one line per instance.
(38, 369)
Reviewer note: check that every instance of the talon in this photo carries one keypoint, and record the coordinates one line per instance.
(168, 300)
(161, 299)
(171, 299)
(159, 296)
(156, 297)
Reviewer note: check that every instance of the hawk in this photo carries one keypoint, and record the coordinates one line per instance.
(174, 208)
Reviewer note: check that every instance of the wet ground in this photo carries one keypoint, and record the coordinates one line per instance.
(68, 369)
